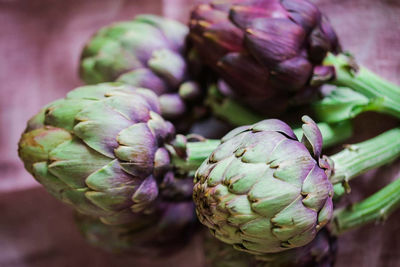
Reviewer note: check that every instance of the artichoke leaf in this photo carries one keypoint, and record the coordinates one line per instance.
(73, 162)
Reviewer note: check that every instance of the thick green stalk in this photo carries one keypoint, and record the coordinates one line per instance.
(372, 209)
(359, 158)
(384, 96)
(229, 110)
(332, 134)
(196, 153)
(236, 114)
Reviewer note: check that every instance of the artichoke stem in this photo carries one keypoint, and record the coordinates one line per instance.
(229, 110)
(197, 151)
(195, 154)
(384, 95)
(375, 208)
(358, 158)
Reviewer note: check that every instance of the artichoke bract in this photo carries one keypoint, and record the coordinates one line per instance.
(262, 190)
(146, 52)
(265, 50)
(102, 150)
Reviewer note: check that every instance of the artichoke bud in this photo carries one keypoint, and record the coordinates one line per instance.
(147, 52)
(102, 150)
(129, 46)
(264, 191)
(274, 44)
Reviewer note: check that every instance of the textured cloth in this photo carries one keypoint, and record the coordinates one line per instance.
(39, 64)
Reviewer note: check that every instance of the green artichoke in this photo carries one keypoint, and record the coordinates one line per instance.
(103, 151)
(146, 52)
(262, 190)
(149, 48)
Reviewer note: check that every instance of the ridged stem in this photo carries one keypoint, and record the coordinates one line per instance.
(384, 95)
(359, 158)
(229, 110)
(372, 209)
(197, 151)
(238, 115)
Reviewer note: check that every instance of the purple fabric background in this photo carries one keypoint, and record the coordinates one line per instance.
(40, 45)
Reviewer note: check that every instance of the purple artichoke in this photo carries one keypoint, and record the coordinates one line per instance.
(266, 50)
(275, 53)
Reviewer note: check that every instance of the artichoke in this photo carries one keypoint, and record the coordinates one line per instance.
(265, 50)
(262, 190)
(146, 52)
(103, 151)
(275, 53)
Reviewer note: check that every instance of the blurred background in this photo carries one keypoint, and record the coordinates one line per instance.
(40, 47)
